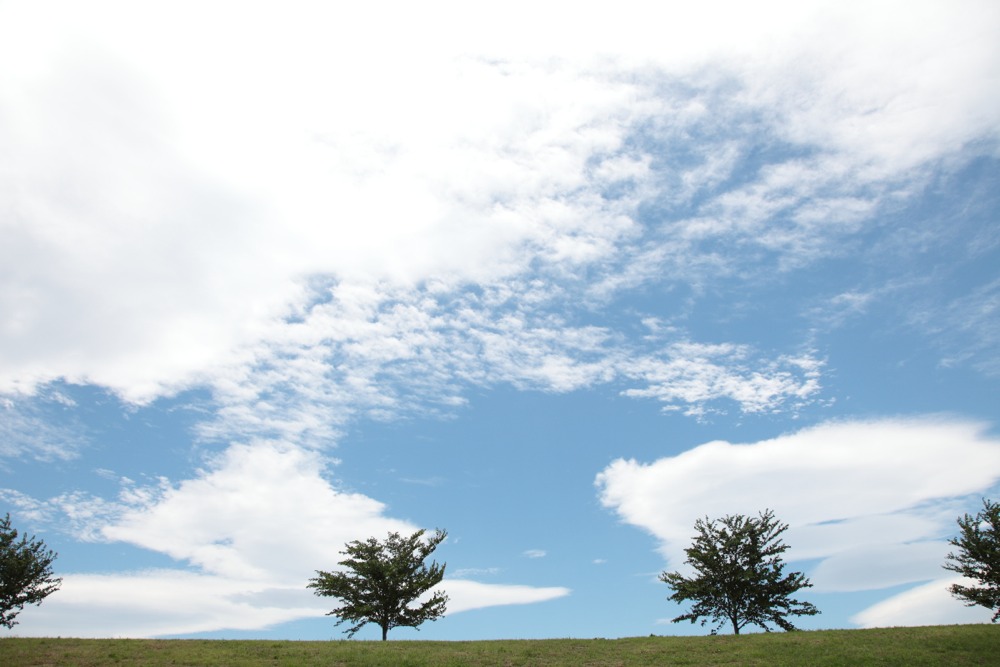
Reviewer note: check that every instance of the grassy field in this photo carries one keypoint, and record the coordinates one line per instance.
(954, 645)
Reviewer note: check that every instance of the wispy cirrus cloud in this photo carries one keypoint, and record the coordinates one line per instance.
(28, 431)
(968, 331)
(359, 352)
(692, 376)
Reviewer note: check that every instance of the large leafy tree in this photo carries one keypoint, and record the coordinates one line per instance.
(739, 575)
(382, 581)
(978, 558)
(25, 572)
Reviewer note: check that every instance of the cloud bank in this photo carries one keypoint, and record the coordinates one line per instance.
(873, 502)
(252, 528)
(196, 199)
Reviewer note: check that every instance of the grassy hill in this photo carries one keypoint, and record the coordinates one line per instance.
(953, 645)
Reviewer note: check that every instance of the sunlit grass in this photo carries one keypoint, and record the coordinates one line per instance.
(941, 645)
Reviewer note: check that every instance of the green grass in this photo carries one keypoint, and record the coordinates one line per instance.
(954, 645)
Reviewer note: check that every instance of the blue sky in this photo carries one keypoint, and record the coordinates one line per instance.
(558, 278)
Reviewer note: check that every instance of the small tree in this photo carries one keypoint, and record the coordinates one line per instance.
(739, 575)
(978, 558)
(382, 580)
(25, 572)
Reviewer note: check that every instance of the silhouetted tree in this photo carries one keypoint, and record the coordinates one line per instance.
(739, 575)
(382, 580)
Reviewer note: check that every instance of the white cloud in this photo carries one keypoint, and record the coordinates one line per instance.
(171, 602)
(206, 210)
(929, 604)
(535, 553)
(969, 329)
(188, 199)
(464, 572)
(465, 595)
(253, 527)
(834, 312)
(27, 430)
(872, 501)
(379, 352)
(261, 511)
(162, 602)
(696, 374)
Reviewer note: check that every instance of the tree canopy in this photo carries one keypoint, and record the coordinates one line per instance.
(382, 580)
(739, 575)
(978, 558)
(25, 572)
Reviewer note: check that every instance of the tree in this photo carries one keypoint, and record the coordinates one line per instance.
(25, 572)
(739, 575)
(382, 580)
(978, 558)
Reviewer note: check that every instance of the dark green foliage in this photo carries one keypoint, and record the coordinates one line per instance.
(25, 572)
(382, 580)
(739, 575)
(978, 558)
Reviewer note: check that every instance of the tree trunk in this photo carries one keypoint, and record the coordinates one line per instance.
(736, 627)
(385, 632)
